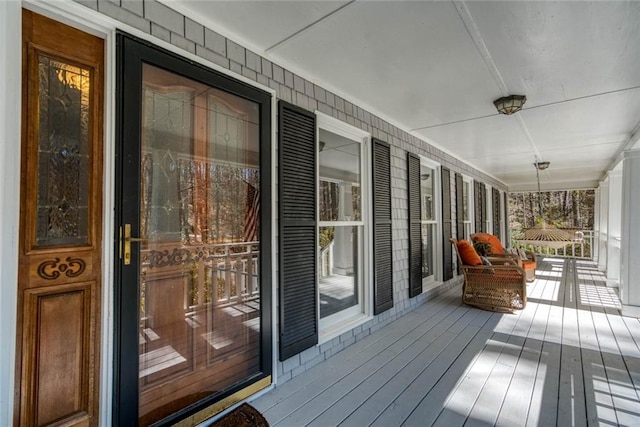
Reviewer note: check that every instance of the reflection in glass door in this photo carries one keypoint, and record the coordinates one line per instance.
(195, 245)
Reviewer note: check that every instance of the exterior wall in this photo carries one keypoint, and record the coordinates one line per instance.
(158, 20)
(595, 251)
(10, 85)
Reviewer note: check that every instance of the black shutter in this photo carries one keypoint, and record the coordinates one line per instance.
(383, 255)
(415, 239)
(447, 228)
(495, 199)
(483, 199)
(298, 231)
(459, 207)
(478, 206)
(481, 207)
(506, 218)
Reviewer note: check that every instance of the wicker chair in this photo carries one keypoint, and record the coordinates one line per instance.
(497, 287)
(497, 250)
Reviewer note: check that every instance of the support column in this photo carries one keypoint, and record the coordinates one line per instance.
(343, 248)
(10, 87)
(630, 245)
(603, 222)
(595, 240)
(614, 227)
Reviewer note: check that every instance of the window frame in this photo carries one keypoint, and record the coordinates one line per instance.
(433, 280)
(488, 220)
(338, 323)
(469, 223)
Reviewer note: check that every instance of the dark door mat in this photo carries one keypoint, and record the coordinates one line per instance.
(244, 415)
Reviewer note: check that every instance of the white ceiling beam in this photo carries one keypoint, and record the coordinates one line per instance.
(302, 30)
(483, 50)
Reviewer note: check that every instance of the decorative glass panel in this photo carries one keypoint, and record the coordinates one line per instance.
(165, 164)
(235, 196)
(63, 153)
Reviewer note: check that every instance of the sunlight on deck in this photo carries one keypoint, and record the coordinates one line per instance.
(599, 296)
(615, 402)
(568, 359)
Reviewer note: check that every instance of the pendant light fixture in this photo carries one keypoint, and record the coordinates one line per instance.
(544, 234)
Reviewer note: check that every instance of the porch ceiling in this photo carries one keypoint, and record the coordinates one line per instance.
(434, 68)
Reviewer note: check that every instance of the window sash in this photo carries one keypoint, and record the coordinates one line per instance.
(334, 324)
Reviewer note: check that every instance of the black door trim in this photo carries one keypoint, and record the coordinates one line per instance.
(131, 54)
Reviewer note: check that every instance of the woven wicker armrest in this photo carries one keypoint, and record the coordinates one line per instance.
(504, 255)
(510, 259)
(503, 271)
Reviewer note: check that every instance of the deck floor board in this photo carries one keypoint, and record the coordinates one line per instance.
(568, 359)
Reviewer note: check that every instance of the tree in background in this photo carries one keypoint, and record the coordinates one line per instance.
(568, 209)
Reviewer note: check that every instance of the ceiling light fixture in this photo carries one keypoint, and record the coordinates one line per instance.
(541, 166)
(510, 104)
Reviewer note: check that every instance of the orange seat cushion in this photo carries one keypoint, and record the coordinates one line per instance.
(496, 245)
(529, 265)
(468, 254)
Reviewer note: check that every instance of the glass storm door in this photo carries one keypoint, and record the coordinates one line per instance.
(194, 280)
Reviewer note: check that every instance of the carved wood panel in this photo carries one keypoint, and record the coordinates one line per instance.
(58, 330)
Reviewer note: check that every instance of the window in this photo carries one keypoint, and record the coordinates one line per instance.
(488, 219)
(468, 206)
(343, 225)
(430, 193)
(498, 214)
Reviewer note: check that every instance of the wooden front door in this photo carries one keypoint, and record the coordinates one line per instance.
(59, 289)
(193, 288)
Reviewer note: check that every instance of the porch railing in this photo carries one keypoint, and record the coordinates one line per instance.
(211, 273)
(235, 271)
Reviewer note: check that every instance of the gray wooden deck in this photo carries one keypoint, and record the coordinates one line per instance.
(568, 359)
